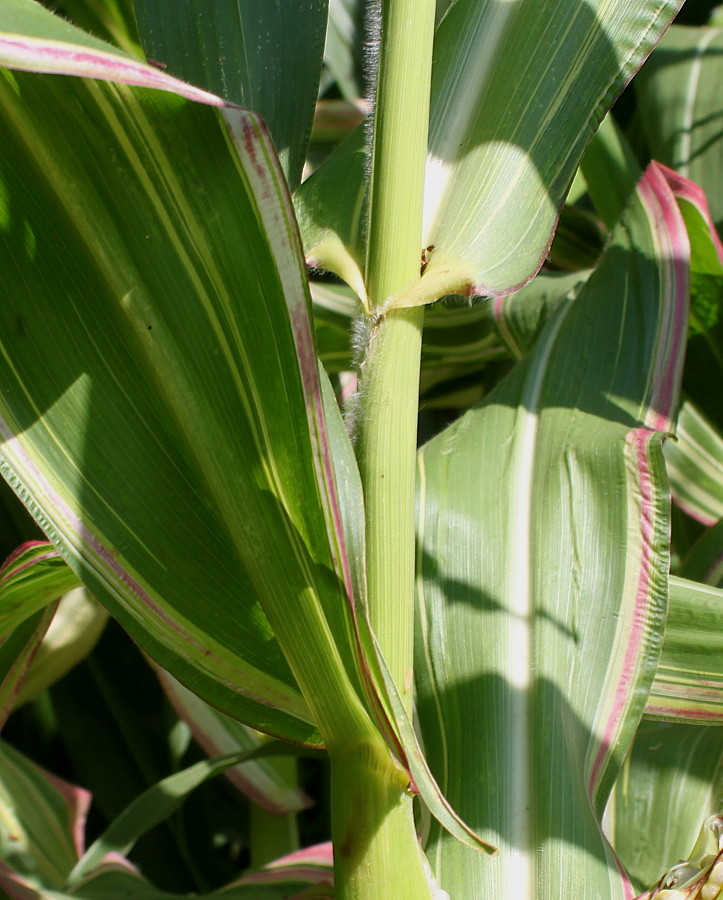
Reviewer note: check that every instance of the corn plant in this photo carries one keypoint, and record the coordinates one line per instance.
(487, 637)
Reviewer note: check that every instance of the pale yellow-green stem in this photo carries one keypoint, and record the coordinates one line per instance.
(375, 844)
(387, 416)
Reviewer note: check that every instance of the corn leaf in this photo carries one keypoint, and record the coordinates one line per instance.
(260, 779)
(341, 51)
(33, 39)
(111, 20)
(38, 643)
(502, 108)
(76, 627)
(17, 651)
(42, 821)
(704, 562)
(248, 53)
(190, 430)
(671, 781)
(695, 466)
(610, 170)
(543, 542)
(163, 478)
(32, 577)
(151, 808)
(681, 106)
(688, 683)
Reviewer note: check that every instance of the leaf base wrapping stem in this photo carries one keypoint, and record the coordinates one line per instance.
(376, 850)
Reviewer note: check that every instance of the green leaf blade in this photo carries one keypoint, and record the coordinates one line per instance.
(35, 40)
(166, 300)
(540, 610)
(688, 684)
(507, 131)
(232, 49)
(681, 107)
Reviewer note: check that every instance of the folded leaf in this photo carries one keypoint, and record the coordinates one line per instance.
(543, 561)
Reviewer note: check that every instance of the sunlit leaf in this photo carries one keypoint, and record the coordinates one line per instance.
(543, 542)
(688, 683)
(507, 131)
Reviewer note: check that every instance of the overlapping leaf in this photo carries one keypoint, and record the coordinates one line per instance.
(681, 107)
(248, 53)
(33, 576)
(187, 325)
(670, 783)
(42, 836)
(35, 583)
(34, 39)
(167, 301)
(688, 683)
(543, 541)
(510, 119)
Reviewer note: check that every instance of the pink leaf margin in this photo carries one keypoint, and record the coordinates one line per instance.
(667, 227)
(314, 865)
(39, 55)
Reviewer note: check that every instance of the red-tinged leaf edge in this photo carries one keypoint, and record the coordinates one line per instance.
(314, 865)
(59, 58)
(688, 192)
(21, 646)
(244, 783)
(26, 555)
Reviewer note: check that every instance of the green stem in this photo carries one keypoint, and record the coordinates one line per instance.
(389, 399)
(376, 850)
